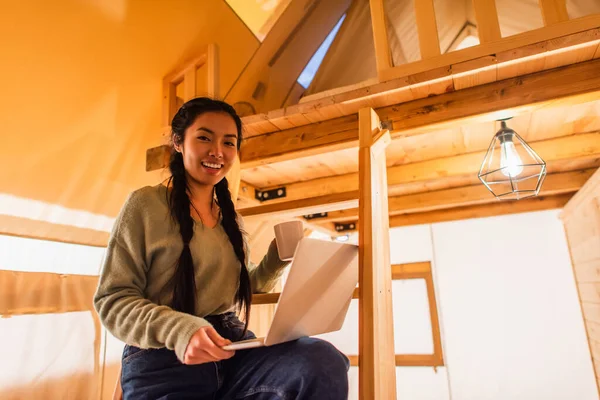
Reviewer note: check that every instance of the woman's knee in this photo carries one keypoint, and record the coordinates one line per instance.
(321, 357)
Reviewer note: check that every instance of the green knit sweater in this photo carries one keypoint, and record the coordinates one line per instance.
(132, 296)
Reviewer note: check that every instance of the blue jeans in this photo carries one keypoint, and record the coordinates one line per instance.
(306, 368)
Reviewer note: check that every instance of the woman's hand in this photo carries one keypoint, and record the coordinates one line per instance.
(205, 346)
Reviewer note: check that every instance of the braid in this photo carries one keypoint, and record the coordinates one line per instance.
(183, 280)
(184, 290)
(232, 228)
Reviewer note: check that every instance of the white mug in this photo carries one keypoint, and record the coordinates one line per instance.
(288, 235)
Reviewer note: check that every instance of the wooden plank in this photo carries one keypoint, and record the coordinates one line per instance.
(267, 79)
(481, 211)
(435, 322)
(589, 293)
(528, 44)
(427, 27)
(246, 195)
(577, 83)
(234, 179)
(383, 56)
(486, 49)
(212, 61)
(587, 271)
(510, 96)
(593, 330)
(486, 17)
(591, 312)
(450, 199)
(304, 206)
(169, 103)
(552, 150)
(417, 270)
(189, 83)
(567, 182)
(584, 196)
(554, 11)
(586, 250)
(418, 360)
(377, 372)
(406, 360)
(339, 133)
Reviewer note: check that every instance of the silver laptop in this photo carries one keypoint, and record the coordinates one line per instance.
(316, 295)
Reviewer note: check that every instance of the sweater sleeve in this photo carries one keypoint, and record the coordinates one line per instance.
(119, 298)
(265, 275)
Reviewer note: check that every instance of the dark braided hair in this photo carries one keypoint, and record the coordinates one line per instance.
(183, 280)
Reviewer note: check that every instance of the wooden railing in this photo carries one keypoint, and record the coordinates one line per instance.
(554, 13)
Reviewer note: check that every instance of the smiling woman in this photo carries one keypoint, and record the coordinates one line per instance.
(170, 287)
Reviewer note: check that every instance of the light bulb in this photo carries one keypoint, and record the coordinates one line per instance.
(510, 162)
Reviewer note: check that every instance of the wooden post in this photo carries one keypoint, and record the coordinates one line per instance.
(382, 48)
(212, 61)
(189, 83)
(377, 367)
(429, 42)
(234, 177)
(554, 11)
(486, 15)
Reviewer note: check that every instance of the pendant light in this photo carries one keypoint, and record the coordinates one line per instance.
(511, 170)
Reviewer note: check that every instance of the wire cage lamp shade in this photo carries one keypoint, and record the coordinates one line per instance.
(511, 170)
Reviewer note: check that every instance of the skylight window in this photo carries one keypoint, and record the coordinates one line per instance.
(313, 65)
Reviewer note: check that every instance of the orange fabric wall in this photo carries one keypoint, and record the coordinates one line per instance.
(81, 90)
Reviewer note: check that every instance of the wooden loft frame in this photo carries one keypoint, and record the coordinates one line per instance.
(377, 373)
(418, 270)
(441, 90)
(267, 143)
(186, 75)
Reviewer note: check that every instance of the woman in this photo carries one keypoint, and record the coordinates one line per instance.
(175, 269)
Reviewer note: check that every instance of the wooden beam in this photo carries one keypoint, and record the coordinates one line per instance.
(383, 56)
(554, 11)
(377, 369)
(246, 195)
(566, 182)
(214, 76)
(189, 83)
(526, 47)
(591, 187)
(234, 179)
(344, 187)
(321, 137)
(481, 211)
(570, 84)
(272, 72)
(486, 16)
(429, 42)
(407, 360)
(174, 78)
(558, 183)
(304, 206)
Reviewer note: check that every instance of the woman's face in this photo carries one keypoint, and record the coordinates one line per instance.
(209, 148)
